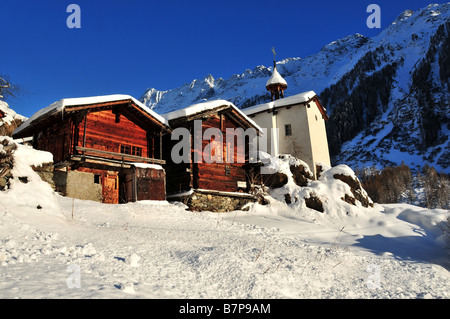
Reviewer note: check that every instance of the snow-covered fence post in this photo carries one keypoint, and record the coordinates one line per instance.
(373, 281)
(74, 279)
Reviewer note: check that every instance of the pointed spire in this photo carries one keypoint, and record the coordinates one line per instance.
(276, 84)
(276, 79)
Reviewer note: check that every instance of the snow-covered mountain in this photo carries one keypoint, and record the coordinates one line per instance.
(249, 88)
(393, 104)
(388, 96)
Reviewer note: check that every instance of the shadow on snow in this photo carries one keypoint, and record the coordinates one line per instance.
(407, 248)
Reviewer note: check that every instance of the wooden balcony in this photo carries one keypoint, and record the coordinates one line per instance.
(100, 154)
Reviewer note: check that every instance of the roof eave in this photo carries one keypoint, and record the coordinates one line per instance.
(64, 105)
(273, 106)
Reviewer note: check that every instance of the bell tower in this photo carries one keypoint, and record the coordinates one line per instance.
(276, 84)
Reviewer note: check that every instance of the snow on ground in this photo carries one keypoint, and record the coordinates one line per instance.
(159, 250)
(81, 249)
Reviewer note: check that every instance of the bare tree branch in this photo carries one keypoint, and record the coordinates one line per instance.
(7, 88)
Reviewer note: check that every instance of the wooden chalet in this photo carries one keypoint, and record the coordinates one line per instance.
(230, 176)
(106, 148)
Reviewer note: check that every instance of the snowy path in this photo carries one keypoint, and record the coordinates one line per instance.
(148, 250)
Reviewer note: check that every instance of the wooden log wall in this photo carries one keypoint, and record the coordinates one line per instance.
(178, 176)
(56, 139)
(150, 184)
(212, 176)
(103, 132)
(221, 176)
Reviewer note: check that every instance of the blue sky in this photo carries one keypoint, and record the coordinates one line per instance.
(125, 47)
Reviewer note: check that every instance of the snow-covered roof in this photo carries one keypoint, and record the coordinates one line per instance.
(206, 106)
(144, 165)
(196, 108)
(276, 78)
(60, 105)
(294, 99)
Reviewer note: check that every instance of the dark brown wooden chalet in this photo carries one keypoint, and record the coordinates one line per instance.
(204, 185)
(106, 148)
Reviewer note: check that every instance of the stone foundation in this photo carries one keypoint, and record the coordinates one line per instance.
(215, 201)
(78, 185)
(45, 171)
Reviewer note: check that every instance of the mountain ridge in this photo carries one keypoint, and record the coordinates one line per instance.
(376, 90)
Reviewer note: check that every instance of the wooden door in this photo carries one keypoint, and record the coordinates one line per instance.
(110, 189)
(150, 184)
(128, 184)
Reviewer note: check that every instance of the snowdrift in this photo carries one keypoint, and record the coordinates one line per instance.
(25, 191)
(335, 205)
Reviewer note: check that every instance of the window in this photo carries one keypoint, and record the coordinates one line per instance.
(125, 149)
(137, 151)
(96, 179)
(288, 130)
(131, 150)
